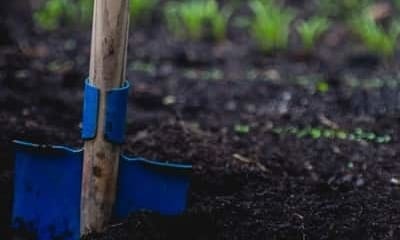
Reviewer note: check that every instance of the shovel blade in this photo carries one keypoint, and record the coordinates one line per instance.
(47, 187)
(151, 185)
(47, 190)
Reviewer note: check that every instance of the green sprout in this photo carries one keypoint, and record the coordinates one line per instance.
(370, 136)
(328, 133)
(316, 133)
(311, 30)
(84, 9)
(301, 133)
(344, 9)
(270, 25)
(57, 12)
(140, 10)
(54, 13)
(383, 139)
(322, 87)
(141, 66)
(358, 132)
(278, 130)
(376, 38)
(196, 19)
(242, 129)
(342, 135)
(48, 17)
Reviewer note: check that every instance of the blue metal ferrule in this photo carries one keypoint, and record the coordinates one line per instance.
(115, 112)
(90, 111)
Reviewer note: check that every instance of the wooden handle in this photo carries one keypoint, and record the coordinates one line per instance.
(107, 70)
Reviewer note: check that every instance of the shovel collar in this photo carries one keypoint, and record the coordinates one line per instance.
(115, 112)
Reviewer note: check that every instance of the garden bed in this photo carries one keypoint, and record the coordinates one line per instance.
(283, 147)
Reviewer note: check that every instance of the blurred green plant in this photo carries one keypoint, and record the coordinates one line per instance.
(242, 128)
(270, 25)
(375, 37)
(311, 30)
(342, 8)
(396, 3)
(197, 19)
(357, 134)
(322, 86)
(49, 16)
(55, 12)
(84, 11)
(141, 66)
(140, 10)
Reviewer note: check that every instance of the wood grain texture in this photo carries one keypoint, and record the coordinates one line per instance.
(107, 71)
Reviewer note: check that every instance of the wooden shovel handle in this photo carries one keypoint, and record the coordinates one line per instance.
(107, 71)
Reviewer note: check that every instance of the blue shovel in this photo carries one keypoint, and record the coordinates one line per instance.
(64, 193)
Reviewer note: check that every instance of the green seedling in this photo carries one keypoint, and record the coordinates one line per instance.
(311, 30)
(57, 12)
(342, 135)
(316, 133)
(85, 11)
(380, 140)
(358, 132)
(48, 17)
(54, 13)
(242, 129)
(397, 4)
(350, 165)
(148, 68)
(173, 20)
(140, 10)
(389, 81)
(383, 139)
(375, 37)
(270, 26)
(343, 9)
(213, 74)
(197, 19)
(370, 136)
(328, 133)
(361, 135)
(322, 87)
(278, 130)
(301, 133)
(169, 100)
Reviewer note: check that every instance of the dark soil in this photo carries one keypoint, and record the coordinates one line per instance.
(245, 185)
